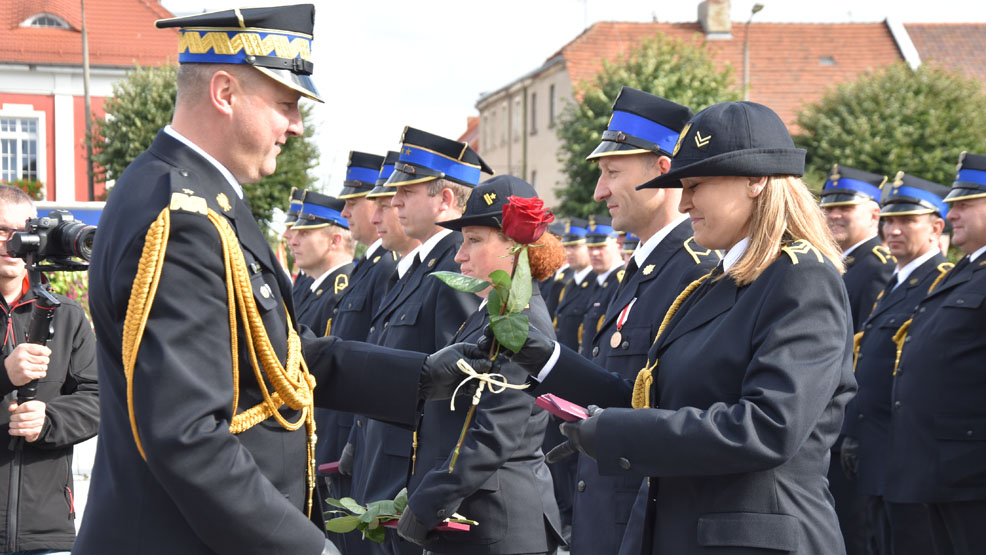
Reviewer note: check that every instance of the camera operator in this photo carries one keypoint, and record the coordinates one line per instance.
(37, 508)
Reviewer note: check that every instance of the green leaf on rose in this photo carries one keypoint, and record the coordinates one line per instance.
(493, 303)
(372, 512)
(461, 282)
(400, 502)
(377, 534)
(501, 282)
(510, 329)
(342, 524)
(521, 285)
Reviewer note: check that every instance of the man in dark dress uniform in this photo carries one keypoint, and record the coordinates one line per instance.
(606, 261)
(635, 149)
(551, 288)
(301, 281)
(206, 436)
(937, 452)
(419, 313)
(913, 219)
(850, 200)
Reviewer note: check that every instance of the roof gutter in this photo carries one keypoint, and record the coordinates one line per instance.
(903, 40)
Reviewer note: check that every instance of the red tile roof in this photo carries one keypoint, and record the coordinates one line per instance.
(471, 134)
(956, 46)
(120, 33)
(786, 59)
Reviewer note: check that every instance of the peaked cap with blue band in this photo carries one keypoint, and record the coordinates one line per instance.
(575, 230)
(320, 210)
(361, 174)
(277, 41)
(485, 204)
(642, 122)
(600, 230)
(386, 170)
(912, 195)
(970, 178)
(743, 139)
(426, 157)
(294, 206)
(630, 243)
(847, 186)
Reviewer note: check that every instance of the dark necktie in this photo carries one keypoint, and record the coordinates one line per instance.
(627, 274)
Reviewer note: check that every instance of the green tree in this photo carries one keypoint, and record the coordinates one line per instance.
(681, 71)
(143, 103)
(894, 119)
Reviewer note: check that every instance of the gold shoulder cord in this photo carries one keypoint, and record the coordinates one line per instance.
(645, 378)
(901, 336)
(857, 341)
(293, 384)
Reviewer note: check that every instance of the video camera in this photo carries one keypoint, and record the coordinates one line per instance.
(55, 238)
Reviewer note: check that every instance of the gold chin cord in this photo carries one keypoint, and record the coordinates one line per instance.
(293, 384)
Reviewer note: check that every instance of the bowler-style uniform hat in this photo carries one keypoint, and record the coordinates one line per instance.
(320, 210)
(294, 206)
(361, 174)
(732, 139)
(426, 157)
(277, 41)
(600, 230)
(847, 186)
(641, 123)
(912, 195)
(485, 204)
(380, 188)
(575, 230)
(970, 178)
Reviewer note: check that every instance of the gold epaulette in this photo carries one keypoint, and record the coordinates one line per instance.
(899, 339)
(883, 253)
(698, 254)
(800, 249)
(943, 270)
(579, 336)
(857, 340)
(619, 275)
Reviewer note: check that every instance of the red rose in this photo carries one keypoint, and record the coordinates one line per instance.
(525, 219)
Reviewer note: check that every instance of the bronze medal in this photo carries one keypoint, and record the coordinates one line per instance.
(615, 339)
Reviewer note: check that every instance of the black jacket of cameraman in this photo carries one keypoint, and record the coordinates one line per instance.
(36, 491)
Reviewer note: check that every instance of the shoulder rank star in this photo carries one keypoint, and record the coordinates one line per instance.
(648, 269)
(223, 202)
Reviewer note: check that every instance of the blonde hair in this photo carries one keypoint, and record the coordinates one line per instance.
(783, 212)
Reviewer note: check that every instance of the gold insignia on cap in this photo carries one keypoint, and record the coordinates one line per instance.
(223, 202)
(701, 141)
(681, 138)
(431, 262)
(648, 269)
(489, 198)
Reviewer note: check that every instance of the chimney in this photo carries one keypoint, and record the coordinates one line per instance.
(715, 20)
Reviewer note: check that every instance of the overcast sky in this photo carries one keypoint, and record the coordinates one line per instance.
(381, 65)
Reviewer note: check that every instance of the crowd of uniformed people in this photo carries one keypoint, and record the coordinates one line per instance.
(763, 371)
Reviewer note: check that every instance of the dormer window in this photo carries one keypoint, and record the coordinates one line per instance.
(45, 20)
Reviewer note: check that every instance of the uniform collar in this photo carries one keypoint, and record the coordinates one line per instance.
(429, 244)
(373, 248)
(318, 282)
(901, 275)
(848, 251)
(734, 254)
(222, 169)
(977, 254)
(581, 274)
(644, 249)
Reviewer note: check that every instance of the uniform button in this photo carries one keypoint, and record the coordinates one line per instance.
(373, 329)
(896, 404)
(359, 423)
(441, 513)
(859, 417)
(624, 463)
(403, 316)
(968, 433)
(581, 485)
(921, 309)
(908, 340)
(183, 173)
(959, 301)
(625, 345)
(869, 326)
(335, 310)
(385, 324)
(595, 351)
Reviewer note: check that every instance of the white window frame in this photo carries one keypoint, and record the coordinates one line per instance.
(27, 111)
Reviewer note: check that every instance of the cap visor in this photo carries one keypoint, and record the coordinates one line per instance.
(301, 83)
(485, 220)
(613, 148)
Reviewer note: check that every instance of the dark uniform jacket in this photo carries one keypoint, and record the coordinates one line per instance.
(500, 479)
(419, 313)
(603, 503)
(201, 488)
(751, 388)
(868, 269)
(595, 311)
(938, 429)
(571, 310)
(37, 498)
(552, 287)
(301, 288)
(868, 414)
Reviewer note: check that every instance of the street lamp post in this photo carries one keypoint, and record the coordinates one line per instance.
(746, 52)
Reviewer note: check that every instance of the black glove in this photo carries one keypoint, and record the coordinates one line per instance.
(440, 374)
(346, 460)
(412, 529)
(850, 457)
(532, 356)
(330, 549)
(581, 436)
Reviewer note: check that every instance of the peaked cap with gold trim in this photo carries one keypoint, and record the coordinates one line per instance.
(361, 174)
(912, 195)
(276, 40)
(321, 210)
(486, 202)
(733, 139)
(426, 157)
(847, 186)
(600, 230)
(642, 122)
(575, 230)
(970, 178)
(295, 201)
(386, 170)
